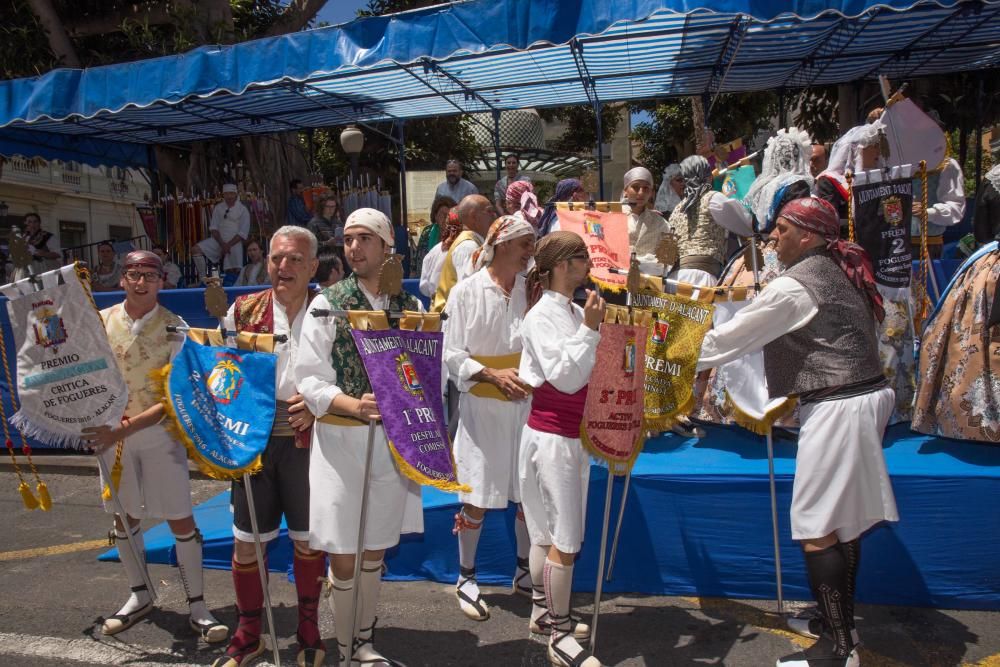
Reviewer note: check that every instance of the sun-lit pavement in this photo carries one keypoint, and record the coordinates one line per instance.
(53, 594)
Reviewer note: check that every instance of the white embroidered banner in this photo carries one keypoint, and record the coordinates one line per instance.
(67, 376)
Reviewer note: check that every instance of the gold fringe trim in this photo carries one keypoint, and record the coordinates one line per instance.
(766, 423)
(173, 425)
(616, 466)
(422, 479)
(666, 422)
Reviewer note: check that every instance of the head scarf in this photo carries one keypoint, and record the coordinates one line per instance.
(564, 192)
(554, 248)
(143, 258)
(452, 228)
(374, 221)
(786, 160)
(697, 175)
(820, 217)
(505, 228)
(521, 197)
(666, 198)
(637, 174)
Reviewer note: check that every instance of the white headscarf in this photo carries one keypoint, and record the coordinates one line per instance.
(846, 153)
(666, 197)
(374, 221)
(786, 160)
(504, 228)
(637, 174)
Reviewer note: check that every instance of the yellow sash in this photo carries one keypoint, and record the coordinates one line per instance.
(487, 390)
(449, 277)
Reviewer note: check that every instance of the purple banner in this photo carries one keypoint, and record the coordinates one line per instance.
(404, 368)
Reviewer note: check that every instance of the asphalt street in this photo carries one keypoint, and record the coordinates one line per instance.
(55, 593)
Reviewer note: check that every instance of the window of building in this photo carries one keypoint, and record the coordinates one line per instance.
(119, 232)
(72, 234)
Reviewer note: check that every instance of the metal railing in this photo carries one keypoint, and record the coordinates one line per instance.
(88, 253)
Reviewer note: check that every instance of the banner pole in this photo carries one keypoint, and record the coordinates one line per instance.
(120, 511)
(360, 554)
(770, 455)
(599, 588)
(774, 519)
(618, 526)
(261, 568)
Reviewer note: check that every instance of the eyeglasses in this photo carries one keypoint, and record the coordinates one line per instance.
(148, 276)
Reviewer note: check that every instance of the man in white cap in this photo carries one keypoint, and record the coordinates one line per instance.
(154, 473)
(332, 378)
(483, 349)
(229, 229)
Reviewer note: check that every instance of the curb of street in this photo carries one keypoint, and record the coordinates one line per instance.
(71, 464)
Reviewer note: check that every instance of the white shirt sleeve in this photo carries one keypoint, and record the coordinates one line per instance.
(314, 375)
(784, 306)
(565, 363)
(430, 271)
(244, 229)
(950, 195)
(229, 323)
(730, 214)
(461, 365)
(216, 219)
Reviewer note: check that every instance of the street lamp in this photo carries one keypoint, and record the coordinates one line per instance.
(352, 140)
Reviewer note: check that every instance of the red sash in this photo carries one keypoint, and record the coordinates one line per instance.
(552, 411)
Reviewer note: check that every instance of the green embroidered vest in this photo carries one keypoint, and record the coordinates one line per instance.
(347, 295)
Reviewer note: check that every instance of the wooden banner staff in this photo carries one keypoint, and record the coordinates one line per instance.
(716, 290)
(217, 305)
(392, 315)
(226, 333)
(613, 315)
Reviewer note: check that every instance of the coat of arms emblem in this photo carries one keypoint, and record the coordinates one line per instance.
(50, 331)
(408, 375)
(892, 210)
(224, 381)
(660, 329)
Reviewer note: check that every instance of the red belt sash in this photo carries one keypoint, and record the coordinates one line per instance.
(552, 411)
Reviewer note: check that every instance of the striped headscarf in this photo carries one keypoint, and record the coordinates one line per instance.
(521, 199)
(505, 228)
(554, 248)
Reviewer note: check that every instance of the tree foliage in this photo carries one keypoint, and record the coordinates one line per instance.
(670, 135)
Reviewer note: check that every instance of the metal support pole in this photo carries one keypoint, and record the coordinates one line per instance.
(496, 141)
(979, 132)
(261, 568)
(774, 519)
(402, 172)
(120, 511)
(600, 150)
(618, 526)
(782, 121)
(360, 553)
(599, 588)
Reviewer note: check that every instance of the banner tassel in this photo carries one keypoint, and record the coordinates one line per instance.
(30, 502)
(116, 473)
(44, 499)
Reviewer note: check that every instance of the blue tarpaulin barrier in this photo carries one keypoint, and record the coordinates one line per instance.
(698, 523)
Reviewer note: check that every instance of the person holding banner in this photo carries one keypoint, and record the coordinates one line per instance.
(816, 324)
(282, 486)
(701, 222)
(333, 380)
(154, 480)
(645, 225)
(475, 213)
(482, 351)
(560, 341)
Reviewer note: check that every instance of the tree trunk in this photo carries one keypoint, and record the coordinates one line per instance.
(701, 141)
(58, 39)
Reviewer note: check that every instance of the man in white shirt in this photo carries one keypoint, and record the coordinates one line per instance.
(475, 213)
(816, 326)
(335, 384)
(229, 228)
(282, 486)
(454, 186)
(560, 342)
(482, 349)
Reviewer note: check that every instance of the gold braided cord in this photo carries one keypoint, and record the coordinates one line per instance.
(849, 177)
(925, 260)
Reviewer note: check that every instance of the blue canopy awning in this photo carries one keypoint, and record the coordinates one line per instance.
(491, 55)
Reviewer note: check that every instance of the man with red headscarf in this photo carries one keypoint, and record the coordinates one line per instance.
(816, 323)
